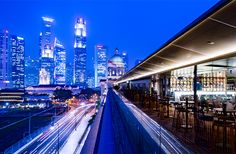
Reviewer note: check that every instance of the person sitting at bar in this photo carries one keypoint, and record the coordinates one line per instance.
(203, 103)
(217, 102)
(229, 105)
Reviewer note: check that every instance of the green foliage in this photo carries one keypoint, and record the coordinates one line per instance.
(62, 94)
(89, 92)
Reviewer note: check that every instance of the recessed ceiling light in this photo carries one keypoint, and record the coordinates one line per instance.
(210, 42)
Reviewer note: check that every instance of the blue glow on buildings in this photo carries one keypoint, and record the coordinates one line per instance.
(60, 63)
(4, 60)
(100, 64)
(31, 71)
(80, 55)
(46, 42)
(17, 61)
(12, 50)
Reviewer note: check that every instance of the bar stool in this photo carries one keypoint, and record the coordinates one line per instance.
(224, 126)
(178, 115)
(204, 129)
(164, 107)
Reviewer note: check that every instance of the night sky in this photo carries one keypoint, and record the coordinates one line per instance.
(136, 26)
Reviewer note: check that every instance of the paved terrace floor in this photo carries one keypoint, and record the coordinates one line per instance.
(208, 140)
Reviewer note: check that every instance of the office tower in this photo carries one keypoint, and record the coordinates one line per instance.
(12, 50)
(60, 63)
(31, 72)
(80, 54)
(125, 58)
(100, 64)
(17, 47)
(5, 63)
(90, 79)
(69, 74)
(46, 43)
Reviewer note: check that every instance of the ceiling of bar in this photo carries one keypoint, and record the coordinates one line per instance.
(212, 37)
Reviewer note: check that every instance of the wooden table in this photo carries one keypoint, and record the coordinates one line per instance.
(166, 103)
(186, 104)
(225, 116)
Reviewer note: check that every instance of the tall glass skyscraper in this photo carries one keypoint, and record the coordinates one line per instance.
(12, 51)
(100, 64)
(46, 43)
(5, 63)
(90, 78)
(60, 63)
(17, 47)
(31, 72)
(69, 73)
(80, 54)
(125, 58)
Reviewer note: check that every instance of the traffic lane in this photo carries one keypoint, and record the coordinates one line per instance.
(46, 136)
(52, 148)
(62, 129)
(63, 135)
(50, 133)
(51, 138)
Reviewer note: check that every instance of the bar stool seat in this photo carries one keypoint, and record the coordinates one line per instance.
(178, 115)
(219, 123)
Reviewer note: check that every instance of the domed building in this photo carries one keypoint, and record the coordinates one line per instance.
(116, 66)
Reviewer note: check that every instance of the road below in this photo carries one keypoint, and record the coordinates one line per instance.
(54, 138)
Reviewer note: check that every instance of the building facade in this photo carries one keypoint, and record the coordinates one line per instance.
(4, 60)
(17, 47)
(90, 79)
(46, 43)
(69, 73)
(31, 72)
(60, 63)
(100, 64)
(126, 60)
(12, 50)
(116, 66)
(80, 54)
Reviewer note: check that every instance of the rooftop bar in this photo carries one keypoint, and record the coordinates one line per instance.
(191, 81)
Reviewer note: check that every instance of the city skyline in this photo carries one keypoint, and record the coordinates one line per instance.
(120, 76)
(102, 26)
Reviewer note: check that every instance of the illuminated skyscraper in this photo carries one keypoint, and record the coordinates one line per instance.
(100, 64)
(17, 47)
(125, 58)
(69, 74)
(90, 78)
(46, 43)
(4, 60)
(12, 50)
(80, 54)
(60, 63)
(31, 72)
